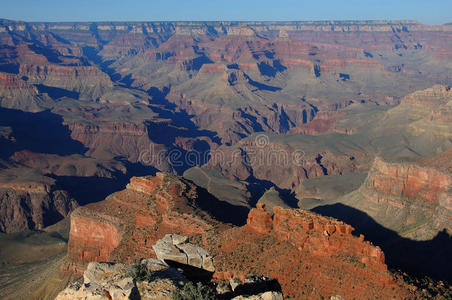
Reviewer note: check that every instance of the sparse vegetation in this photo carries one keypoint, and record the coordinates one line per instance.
(140, 272)
(192, 291)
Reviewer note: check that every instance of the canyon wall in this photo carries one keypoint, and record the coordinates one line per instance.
(409, 198)
(32, 205)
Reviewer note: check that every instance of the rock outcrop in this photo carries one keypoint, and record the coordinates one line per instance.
(118, 282)
(316, 234)
(151, 279)
(128, 223)
(31, 204)
(263, 296)
(176, 248)
(313, 247)
(102, 281)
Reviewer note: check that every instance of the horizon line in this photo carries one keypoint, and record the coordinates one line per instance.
(230, 21)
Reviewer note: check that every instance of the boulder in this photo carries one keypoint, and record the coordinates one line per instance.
(177, 248)
(103, 281)
(263, 296)
(115, 281)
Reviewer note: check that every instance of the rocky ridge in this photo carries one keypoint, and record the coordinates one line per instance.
(128, 229)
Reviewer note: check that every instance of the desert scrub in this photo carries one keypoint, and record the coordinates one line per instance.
(140, 272)
(192, 291)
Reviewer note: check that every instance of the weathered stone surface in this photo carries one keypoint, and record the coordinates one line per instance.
(114, 281)
(223, 288)
(263, 296)
(103, 281)
(167, 251)
(176, 248)
(96, 272)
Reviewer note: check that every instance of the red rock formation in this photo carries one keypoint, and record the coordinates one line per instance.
(308, 254)
(408, 181)
(311, 256)
(410, 198)
(91, 239)
(319, 235)
(130, 222)
(259, 220)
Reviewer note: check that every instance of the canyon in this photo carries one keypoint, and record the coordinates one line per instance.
(325, 142)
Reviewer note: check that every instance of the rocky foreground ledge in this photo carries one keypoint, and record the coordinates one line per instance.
(156, 279)
(309, 255)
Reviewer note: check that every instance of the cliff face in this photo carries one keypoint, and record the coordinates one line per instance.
(108, 138)
(18, 94)
(429, 111)
(32, 205)
(128, 223)
(412, 199)
(91, 239)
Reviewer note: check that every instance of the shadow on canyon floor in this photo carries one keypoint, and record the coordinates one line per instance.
(432, 258)
(221, 210)
(182, 126)
(41, 132)
(56, 93)
(257, 188)
(92, 189)
(178, 118)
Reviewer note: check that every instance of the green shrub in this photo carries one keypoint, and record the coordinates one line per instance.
(195, 292)
(140, 272)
